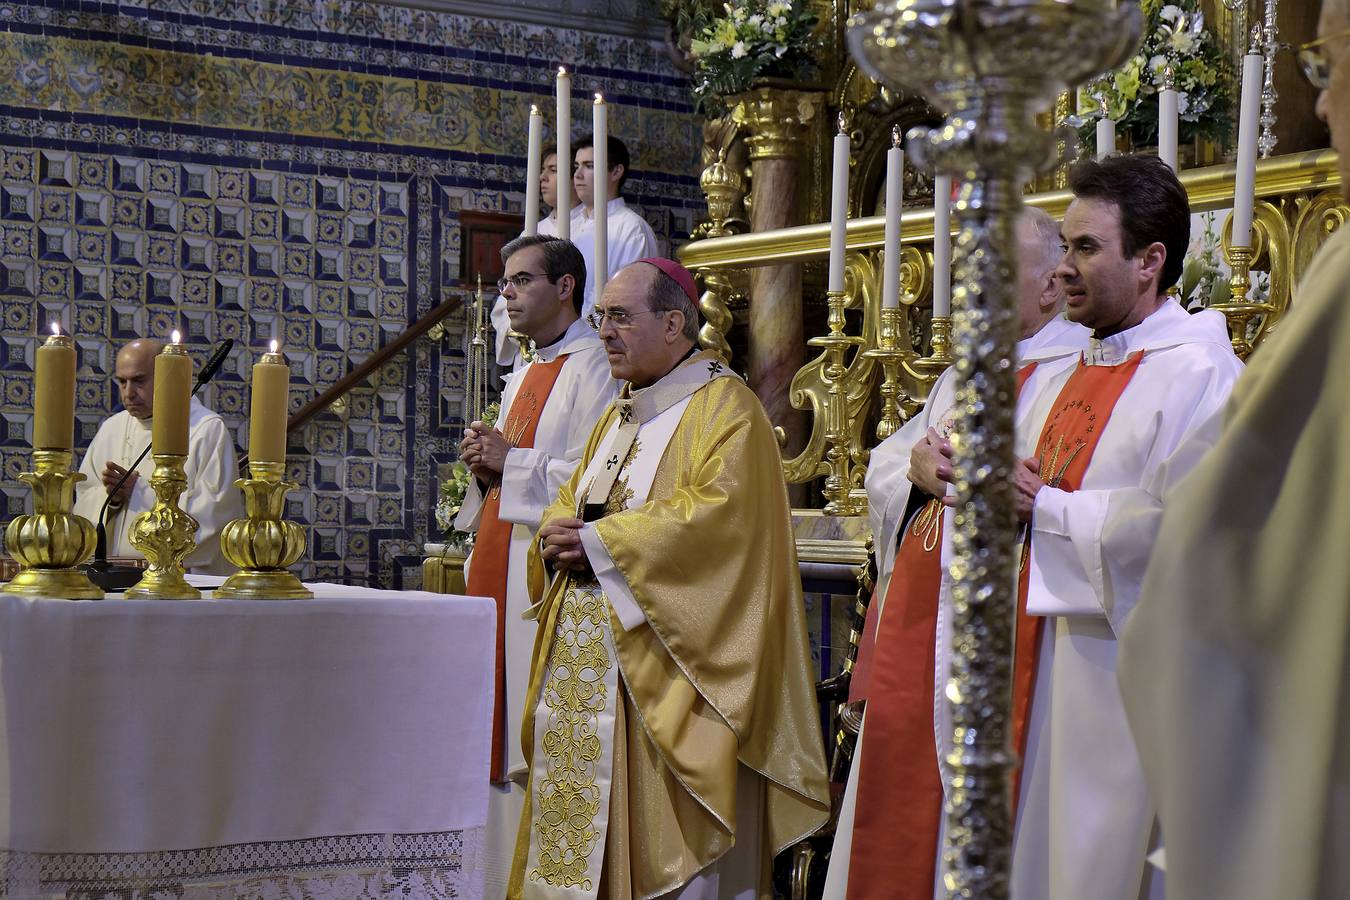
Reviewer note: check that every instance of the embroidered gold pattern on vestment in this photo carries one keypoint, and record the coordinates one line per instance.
(567, 798)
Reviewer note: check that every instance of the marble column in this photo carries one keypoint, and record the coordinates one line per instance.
(774, 120)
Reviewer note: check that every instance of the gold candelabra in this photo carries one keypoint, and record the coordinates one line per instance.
(926, 369)
(1238, 309)
(891, 354)
(49, 543)
(839, 481)
(165, 534)
(263, 544)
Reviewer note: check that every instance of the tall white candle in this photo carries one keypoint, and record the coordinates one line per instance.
(600, 184)
(838, 208)
(1106, 135)
(1249, 125)
(942, 245)
(1167, 120)
(564, 154)
(895, 176)
(534, 160)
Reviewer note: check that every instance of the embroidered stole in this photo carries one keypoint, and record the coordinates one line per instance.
(899, 801)
(566, 815)
(492, 547)
(1068, 440)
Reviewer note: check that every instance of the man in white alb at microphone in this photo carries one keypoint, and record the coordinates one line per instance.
(211, 497)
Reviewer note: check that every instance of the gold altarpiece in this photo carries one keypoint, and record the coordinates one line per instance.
(872, 372)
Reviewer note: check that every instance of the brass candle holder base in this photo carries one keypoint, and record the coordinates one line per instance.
(1238, 310)
(263, 544)
(926, 369)
(165, 535)
(891, 355)
(49, 543)
(839, 483)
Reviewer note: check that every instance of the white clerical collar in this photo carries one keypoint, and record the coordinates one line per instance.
(611, 207)
(1057, 337)
(578, 334)
(1113, 349)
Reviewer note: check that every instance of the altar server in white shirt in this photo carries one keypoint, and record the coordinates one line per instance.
(210, 497)
(547, 412)
(508, 353)
(630, 237)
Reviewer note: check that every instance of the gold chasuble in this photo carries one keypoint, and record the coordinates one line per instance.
(673, 681)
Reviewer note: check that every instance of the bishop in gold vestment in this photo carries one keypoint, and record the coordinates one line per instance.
(673, 732)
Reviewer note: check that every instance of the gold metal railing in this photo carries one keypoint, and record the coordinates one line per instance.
(1299, 204)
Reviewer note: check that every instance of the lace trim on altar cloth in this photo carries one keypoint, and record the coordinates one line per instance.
(437, 866)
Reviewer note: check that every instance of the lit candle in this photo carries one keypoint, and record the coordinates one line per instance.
(838, 208)
(1167, 119)
(1249, 124)
(173, 396)
(564, 210)
(534, 160)
(268, 406)
(54, 406)
(600, 184)
(895, 176)
(942, 245)
(1106, 133)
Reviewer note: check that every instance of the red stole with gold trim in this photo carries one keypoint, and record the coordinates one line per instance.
(492, 546)
(899, 800)
(1068, 440)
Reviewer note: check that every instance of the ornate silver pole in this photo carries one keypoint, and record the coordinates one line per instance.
(983, 62)
(1266, 143)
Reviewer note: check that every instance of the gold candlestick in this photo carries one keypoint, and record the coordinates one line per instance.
(926, 369)
(263, 544)
(839, 483)
(1238, 309)
(53, 540)
(165, 535)
(891, 355)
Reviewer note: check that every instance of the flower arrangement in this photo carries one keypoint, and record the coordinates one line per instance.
(453, 489)
(1174, 34)
(747, 40)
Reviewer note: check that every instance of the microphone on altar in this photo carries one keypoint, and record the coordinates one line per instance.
(118, 578)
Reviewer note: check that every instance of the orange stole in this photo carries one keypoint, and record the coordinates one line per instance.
(492, 546)
(1068, 440)
(899, 802)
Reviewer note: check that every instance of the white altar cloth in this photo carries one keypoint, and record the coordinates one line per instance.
(331, 747)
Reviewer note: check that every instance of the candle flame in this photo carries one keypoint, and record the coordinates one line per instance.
(897, 138)
(843, 122)
(275, 345)
(534, 109)
(599, 97)
(176, 336)
(562, 71)
(56, 329)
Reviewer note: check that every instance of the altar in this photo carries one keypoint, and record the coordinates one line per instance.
(331, 747)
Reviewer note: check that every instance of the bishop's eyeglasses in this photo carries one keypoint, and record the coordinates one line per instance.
(619, 318)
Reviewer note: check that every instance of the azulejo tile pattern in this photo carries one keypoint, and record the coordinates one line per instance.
(293, 169)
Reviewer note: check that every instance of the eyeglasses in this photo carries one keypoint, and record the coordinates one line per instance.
(619, 318)
(1314, 63)
(520, 280)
